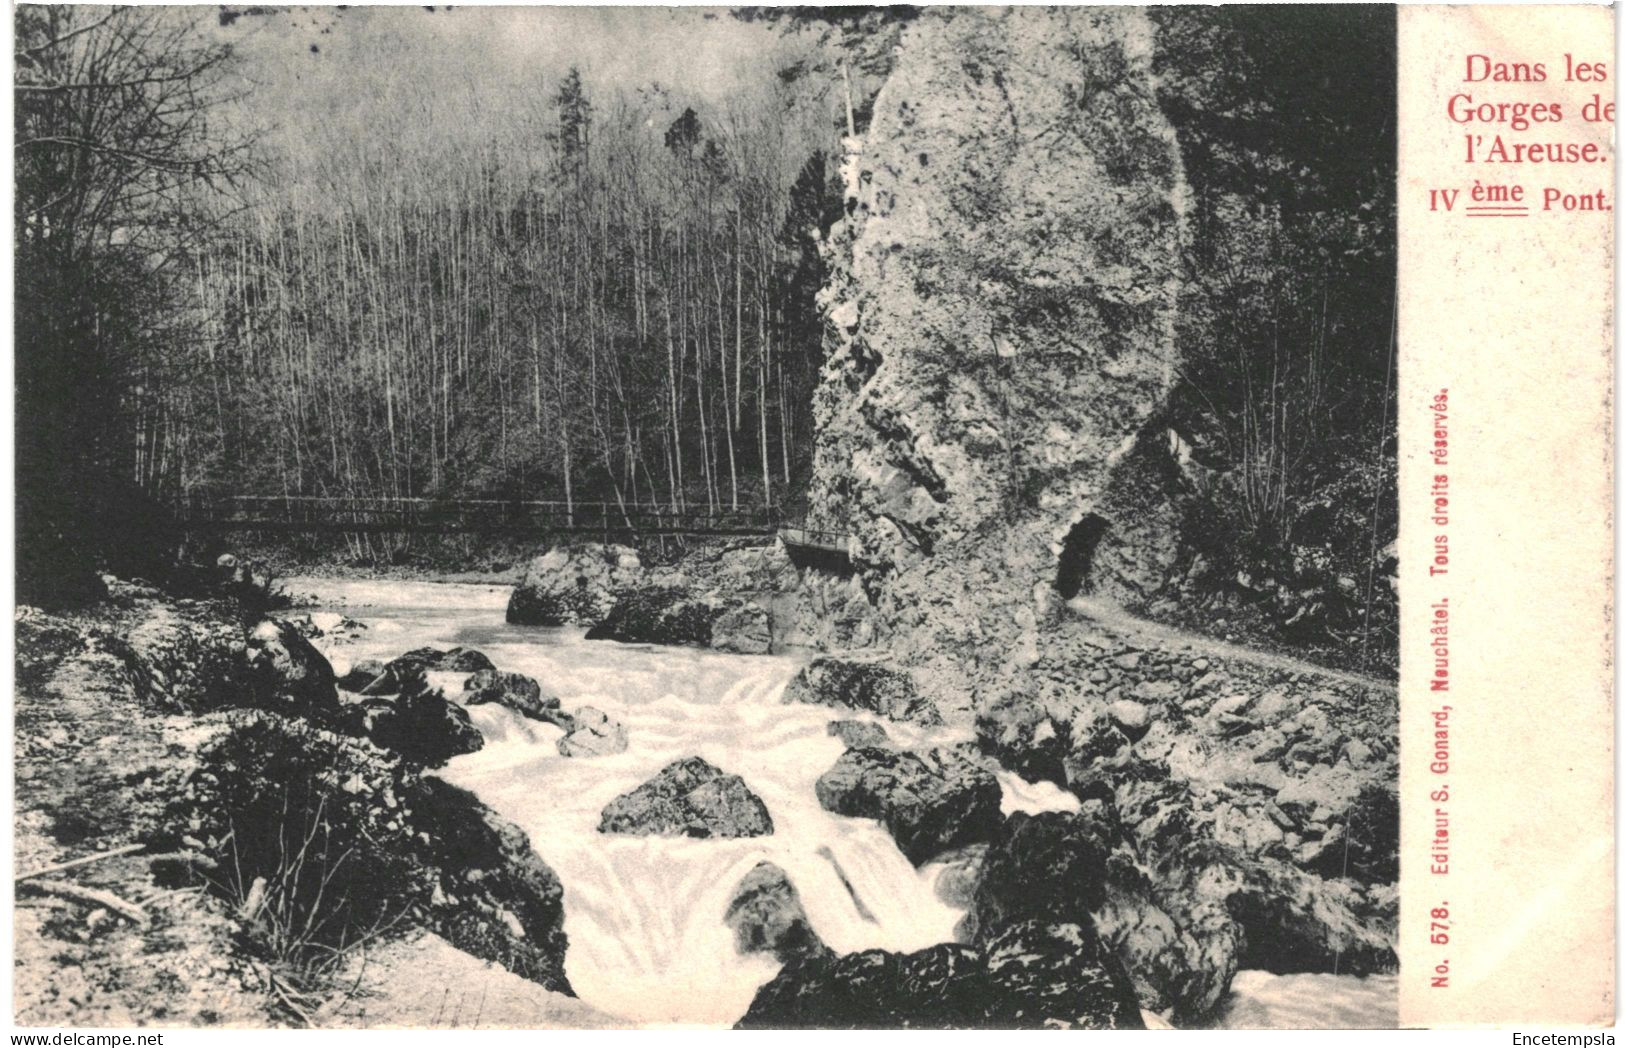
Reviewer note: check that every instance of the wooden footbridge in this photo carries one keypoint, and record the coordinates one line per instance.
(308, 514)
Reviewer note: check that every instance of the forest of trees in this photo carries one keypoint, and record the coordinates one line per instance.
(605, 302)
(569, 294)
(121, 177)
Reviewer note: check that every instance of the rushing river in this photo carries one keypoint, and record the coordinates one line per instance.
(644, 914)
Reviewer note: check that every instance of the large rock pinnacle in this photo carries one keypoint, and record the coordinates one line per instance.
(1001, 317)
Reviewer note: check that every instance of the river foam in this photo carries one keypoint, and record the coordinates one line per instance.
(644, 914)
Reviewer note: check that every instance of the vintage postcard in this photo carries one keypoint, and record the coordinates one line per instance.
(930, 517)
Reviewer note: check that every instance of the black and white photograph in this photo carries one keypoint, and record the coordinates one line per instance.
(743, 517)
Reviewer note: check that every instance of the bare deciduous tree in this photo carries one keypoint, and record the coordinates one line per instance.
(117, 165)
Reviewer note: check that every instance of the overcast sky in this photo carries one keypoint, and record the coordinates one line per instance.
(696, 50)
(448, 76)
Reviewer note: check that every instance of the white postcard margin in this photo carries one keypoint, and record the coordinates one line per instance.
(1505, 339)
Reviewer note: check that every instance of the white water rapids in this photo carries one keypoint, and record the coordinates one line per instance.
(644, 914)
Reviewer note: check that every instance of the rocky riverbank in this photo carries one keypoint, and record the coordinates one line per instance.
(209, 830)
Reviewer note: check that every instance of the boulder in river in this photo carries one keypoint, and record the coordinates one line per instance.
(464, 660)
(862, 684)
(767, 916)
(656, 615)
(1034, 957)
(361, 676)
(514, 690)
(689, 798)
(373, 678)
(589, 732)
(1034, 975)
(678, 615)
(287, 673)
(859, 733)
(941, 987)
(573, 585)
(421, 725)
(1175, 936)
(1051, 866)
(1191, 895)
(456, 660)
(1057, 974)
(497, 899)
(929, 804)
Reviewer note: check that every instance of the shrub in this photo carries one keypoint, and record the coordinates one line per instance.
(325, 844)
(304, 832)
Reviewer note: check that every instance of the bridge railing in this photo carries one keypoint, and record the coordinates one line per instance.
(383, 513)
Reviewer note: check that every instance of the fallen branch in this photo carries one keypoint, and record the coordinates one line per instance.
(94, 896)
(287, 1000)
(277, 987)
(83, 860)
(167, 894)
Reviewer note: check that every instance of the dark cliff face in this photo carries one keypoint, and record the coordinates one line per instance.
(1074, 242)
(1001, 317)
